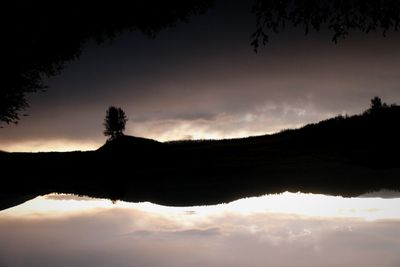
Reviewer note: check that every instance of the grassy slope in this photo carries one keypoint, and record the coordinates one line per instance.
(341, 156)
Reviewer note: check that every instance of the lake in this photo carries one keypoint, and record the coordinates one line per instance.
(289, 229)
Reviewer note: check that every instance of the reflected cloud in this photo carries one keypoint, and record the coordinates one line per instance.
(249, 232)
(372, 207)
(382, 194)
(56, 196)
(174, 233)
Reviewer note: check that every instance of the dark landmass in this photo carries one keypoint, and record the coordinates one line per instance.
(345, 155)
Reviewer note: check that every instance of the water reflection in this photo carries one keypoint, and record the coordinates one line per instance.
(370, 207)
(276, 230)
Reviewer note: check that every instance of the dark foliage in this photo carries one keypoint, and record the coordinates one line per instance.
(114, 122)
(376, 105)
(338, 16)
(39, 37)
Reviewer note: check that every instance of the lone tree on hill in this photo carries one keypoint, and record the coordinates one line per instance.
(114, 122)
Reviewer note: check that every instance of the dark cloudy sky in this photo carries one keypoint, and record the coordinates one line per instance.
(203, 80)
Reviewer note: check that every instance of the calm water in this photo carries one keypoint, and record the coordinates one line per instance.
(274, 230)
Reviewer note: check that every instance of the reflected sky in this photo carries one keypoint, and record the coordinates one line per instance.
(289, 229)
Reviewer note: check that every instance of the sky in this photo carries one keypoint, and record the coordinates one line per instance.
(202, 80)
(289, 229)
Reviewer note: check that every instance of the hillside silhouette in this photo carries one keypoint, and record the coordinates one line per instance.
(344, 155)
(125, 144)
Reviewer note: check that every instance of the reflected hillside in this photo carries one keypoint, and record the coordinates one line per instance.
(345, 155)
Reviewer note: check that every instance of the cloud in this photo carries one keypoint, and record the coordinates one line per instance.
(259, 120)
(129, 237)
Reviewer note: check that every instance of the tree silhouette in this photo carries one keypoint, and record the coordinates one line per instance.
(114, 122)
(377, 105)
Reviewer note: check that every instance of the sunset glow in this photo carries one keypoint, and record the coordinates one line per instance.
(51, 146)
